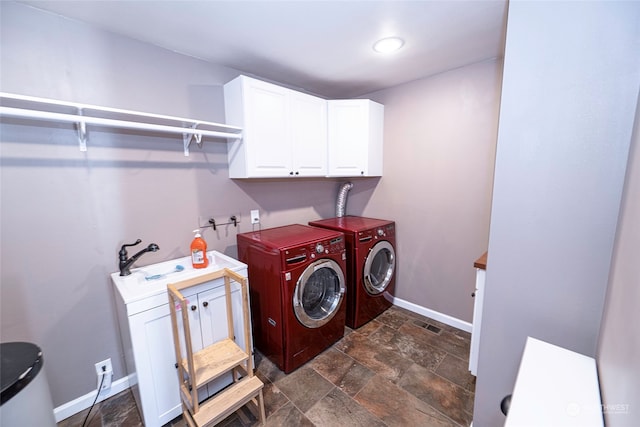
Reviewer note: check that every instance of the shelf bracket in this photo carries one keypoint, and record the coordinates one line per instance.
(188, 137)
(82, 133)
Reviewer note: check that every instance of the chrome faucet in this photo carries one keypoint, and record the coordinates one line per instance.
(126, 263)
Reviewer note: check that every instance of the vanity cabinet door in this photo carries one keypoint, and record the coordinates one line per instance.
(156, 388)
(478, 295)
(214, 326)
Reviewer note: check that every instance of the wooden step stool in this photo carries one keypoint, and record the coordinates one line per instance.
(199, 368)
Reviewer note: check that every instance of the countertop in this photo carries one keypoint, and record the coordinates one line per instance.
(481, 262)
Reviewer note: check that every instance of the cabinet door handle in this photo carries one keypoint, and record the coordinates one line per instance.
(297, 173)
(473, 295)
(291, 173)
(205, 304)
(194, 307)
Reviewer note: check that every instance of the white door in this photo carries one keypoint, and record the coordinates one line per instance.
(213, 309)
(478, 294)
(195, 325)
(308, 121)
(356, 134)
(266, 131)
(213, 306)
(157, 376)
(348, 136)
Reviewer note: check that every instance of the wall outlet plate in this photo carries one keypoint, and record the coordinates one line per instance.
(104, 369)
(255, 216)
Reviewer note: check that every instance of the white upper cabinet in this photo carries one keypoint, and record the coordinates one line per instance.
(355, 135)
(284, 131)
(292, 134)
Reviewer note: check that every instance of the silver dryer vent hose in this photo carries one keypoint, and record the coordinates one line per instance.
(341, 204)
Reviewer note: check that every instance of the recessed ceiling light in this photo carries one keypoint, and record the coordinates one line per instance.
(388, 45)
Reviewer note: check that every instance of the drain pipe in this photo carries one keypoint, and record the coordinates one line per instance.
(341, 204)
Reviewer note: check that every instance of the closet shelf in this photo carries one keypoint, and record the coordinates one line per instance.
(83, 115)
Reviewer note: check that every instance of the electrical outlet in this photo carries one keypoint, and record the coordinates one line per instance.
(255, 216)
(104, 369)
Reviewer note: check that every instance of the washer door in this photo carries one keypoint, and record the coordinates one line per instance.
(319, 293)
(379, 267)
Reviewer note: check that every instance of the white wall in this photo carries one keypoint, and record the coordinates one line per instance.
(619, 342)
(440, 135)
(569, 95)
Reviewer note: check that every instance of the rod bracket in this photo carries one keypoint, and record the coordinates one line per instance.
(186, 140)
(81, 126)
(188, 137)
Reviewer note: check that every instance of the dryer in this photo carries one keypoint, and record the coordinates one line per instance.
(297, 287)
(371, 265)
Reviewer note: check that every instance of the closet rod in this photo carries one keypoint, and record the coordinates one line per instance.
(85, 116)
(99, 121)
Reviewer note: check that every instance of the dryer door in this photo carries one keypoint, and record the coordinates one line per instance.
(379, 267)
(319, 293)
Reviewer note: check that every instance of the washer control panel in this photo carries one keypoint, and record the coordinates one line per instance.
(315, 249)
(386, 231)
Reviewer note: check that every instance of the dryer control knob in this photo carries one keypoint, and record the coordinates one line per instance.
(319, 248)
(380, 232)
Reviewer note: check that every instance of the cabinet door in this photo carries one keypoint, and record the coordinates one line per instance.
(214, 324)
(347, 138)
(355, 137)
(308, 121)
(154, 355)
(266, 133)
(477, 320)
(195, 326)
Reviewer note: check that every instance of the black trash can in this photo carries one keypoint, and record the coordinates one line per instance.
(25, 397)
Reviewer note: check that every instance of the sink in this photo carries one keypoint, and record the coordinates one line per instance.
(172, 271)
(135, 286)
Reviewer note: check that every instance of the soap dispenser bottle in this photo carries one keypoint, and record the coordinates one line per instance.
(199, 251)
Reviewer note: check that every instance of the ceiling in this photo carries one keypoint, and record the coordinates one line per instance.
(321, 47)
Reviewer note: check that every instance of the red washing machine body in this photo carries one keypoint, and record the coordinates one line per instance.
(297, 285)
(371, 263)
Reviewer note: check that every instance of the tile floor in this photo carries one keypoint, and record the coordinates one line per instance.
(401, 369)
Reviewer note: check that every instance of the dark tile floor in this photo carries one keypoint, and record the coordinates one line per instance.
(401, 369)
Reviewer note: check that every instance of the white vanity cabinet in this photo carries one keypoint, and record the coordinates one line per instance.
(478, 294)
(355, 135)
(145, 326)
(284, 131)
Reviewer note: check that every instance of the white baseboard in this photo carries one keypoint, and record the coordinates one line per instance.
(435, 315)
(83, 402)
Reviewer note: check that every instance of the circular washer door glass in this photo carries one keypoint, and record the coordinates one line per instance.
(319, 293)
(379, 267)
